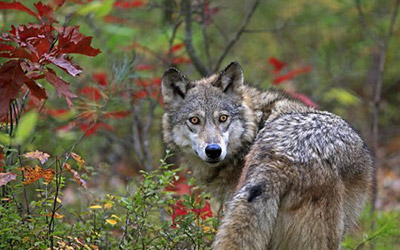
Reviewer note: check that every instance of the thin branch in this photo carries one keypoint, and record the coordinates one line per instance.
(238, 34)
(377, 96)
(363, 23)
(206, 40)
(186, 9)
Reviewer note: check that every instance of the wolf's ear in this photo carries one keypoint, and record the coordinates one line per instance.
(174, 85)
(231, 78)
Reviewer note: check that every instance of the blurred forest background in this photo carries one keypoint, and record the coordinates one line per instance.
(80, 135)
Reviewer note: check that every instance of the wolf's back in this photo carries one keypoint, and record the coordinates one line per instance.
(305, 181)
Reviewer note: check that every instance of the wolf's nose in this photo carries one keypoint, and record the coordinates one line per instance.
(213, 151)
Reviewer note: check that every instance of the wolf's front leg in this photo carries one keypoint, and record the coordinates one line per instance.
(249, 219)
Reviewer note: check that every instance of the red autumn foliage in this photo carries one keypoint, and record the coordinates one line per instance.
(209, 12)
(142, 67)
(303, 98)
(278, 65)
(12, 78)
(101, 78)
(180, 186)
(126, 4)
(203, 212)
(57, 112)
(179, 209)
(177, 47)
(90, 129)
(16, 6)
(36, 46)
(61, 86)
(1, 159)
(180, 60)
(288, 76)
(92, 93)
(117, 114)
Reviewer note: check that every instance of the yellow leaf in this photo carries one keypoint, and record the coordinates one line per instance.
(80, 161)
(94, 247)
(95, 207)
(25, 239)
(111, 221)
(108, 205)
(58, 216)
(58, 200)
(116, 217)
(208, 229)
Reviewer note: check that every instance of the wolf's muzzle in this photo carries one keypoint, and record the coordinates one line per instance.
(213, 151)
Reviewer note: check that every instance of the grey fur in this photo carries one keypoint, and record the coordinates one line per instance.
(294, 177)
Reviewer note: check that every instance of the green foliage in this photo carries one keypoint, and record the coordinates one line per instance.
(380, 230)
(140, 219)
(26, 126)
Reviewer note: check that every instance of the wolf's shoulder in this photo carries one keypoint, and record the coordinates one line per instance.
(309, 136)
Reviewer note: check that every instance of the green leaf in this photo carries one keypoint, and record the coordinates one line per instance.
(342, 96)
(99, 9)
(26, 126)
(5, 139)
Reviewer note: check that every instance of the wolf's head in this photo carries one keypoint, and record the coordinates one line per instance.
(210, 119)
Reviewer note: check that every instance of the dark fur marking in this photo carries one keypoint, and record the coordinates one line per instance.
(178, 91)
(254, 192)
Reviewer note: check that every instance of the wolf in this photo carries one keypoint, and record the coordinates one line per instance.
(292, 177)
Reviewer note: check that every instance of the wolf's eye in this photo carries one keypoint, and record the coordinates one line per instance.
(194, 120)
(223, 118)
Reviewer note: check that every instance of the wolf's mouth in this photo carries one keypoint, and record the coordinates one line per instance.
(212, 161)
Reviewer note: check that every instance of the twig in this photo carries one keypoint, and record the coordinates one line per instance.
(363, 23)
(377, 96)
(238, 34)
(186, 9)
(205, 35)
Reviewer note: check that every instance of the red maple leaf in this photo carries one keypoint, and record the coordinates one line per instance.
(44, 10)
(72, 41)
(65, 63)
(61, 86)
(12, 77)
(278, 65)
(16, 6)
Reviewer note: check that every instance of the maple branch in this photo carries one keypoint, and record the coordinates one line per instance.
(171, 40)
(377, 95)
(205, 35)
(363, 23)
(186, 9)
(238, 34)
